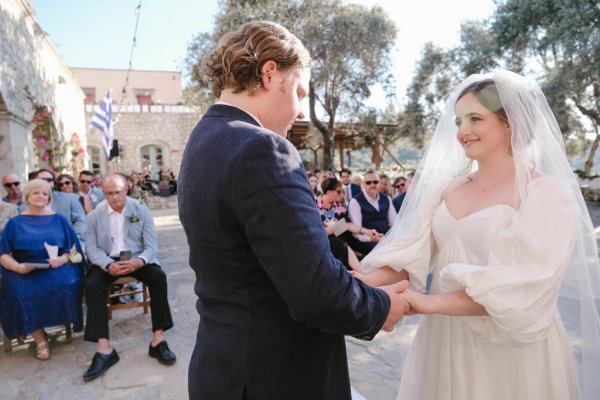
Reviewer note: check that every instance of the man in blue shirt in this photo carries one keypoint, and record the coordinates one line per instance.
(12, 187)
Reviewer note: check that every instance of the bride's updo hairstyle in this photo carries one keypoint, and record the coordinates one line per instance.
(487, 95)
(236, 63)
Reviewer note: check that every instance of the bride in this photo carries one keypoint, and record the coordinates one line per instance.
(496, 215)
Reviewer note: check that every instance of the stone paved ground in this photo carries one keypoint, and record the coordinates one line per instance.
(374, 366)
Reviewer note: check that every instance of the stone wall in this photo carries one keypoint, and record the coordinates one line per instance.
(168, 131)
(28, 60)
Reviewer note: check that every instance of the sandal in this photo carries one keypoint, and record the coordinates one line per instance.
(42, 351)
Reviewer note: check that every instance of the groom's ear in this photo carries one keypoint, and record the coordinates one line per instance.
(267, 71)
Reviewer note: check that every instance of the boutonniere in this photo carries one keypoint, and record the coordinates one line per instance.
(134, 218)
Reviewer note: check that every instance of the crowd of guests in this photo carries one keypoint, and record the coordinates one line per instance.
(356, 210)
(59, 235)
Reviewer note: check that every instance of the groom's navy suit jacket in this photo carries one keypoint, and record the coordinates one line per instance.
(273, 302)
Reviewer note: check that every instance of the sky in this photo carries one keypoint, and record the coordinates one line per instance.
(99, 34)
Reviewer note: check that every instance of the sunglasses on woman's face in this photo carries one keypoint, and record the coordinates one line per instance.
(68, 183)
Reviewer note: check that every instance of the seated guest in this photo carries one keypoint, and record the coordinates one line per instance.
(398, 186)
(12, 187)
(134, 190)
(350, 189)
(65, 204)
(332, 210)
(358, 181)
(34, 298)
(118, 226)
(67, 184)
(7, 211)
(167, 175)
(97, 181)
(384, 184)
(313, 180)
(372, 210)
(86, 190)
(397, 201)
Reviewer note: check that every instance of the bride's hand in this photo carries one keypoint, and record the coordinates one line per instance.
(419, 303)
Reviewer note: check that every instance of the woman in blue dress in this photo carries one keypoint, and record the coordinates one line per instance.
(34, 297)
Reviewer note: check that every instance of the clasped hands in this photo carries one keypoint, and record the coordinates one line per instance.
(120, 268)
(399, 304)
(403, 301)
(372, 234)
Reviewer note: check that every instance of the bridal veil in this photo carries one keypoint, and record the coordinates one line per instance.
(537, 145)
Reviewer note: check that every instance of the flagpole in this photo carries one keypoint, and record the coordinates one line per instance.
(102, 120)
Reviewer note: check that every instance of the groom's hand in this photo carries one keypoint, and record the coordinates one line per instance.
(398, 304)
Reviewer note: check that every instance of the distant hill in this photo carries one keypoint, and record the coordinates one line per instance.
(410, 158)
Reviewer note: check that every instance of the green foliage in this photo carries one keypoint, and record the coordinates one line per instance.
(557, 41)
(564, 38)
(434, 77)
(349, 44)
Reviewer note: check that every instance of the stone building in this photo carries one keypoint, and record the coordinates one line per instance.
(151, 127)
(42, 119)
(146, 141)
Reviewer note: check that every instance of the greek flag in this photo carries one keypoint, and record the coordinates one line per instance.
(102, 121)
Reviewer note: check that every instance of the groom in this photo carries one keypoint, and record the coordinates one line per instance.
(273, 302)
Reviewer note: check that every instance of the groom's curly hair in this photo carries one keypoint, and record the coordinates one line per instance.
(236, 63)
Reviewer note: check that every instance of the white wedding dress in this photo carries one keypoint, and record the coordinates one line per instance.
(512, 263)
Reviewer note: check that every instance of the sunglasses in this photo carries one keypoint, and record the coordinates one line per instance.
(68, 183)
(371, 182)
(9, 184)
(84, 181)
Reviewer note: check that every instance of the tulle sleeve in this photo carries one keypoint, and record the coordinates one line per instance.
(519, 286)
(409, 246)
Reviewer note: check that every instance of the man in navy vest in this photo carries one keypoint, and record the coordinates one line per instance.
(371, 210)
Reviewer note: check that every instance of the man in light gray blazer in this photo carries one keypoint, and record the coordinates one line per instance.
(121, 241)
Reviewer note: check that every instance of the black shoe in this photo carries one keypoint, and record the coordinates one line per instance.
(100, 363)
(162, 352)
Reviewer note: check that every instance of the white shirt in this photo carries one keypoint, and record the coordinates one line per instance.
(115, 222)
(348, 190)
(355, 214)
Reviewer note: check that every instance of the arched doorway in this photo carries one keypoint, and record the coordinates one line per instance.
(152, 160)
